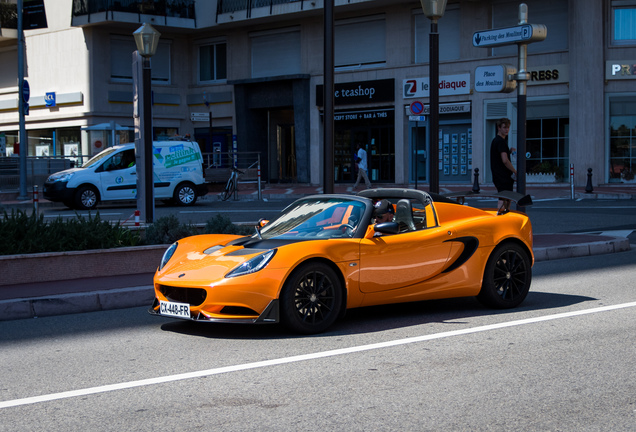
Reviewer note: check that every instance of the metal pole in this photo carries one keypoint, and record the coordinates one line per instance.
(522, 78)
(328, 180)
(149, 201)
(433, 123)
(260, 190)
(22, 138)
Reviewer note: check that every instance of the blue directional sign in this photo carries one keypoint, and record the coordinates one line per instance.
(520, 34)
(26, 91)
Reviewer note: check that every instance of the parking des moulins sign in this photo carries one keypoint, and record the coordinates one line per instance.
(360, 92)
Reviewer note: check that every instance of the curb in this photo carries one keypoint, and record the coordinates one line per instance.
(612, 245)
(65, 304)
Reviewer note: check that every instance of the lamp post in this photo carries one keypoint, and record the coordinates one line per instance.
(434, 10)
(147, 40)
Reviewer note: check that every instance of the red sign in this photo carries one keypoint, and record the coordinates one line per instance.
(417, 107)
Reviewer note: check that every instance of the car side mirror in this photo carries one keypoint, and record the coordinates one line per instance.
(262, 223)
(387, 228)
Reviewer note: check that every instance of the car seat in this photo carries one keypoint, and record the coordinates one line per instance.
(404, 215)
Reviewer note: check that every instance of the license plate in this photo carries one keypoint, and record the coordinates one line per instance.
(174, 309)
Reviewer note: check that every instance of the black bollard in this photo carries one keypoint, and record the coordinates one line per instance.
(476, 182)
(588, 186)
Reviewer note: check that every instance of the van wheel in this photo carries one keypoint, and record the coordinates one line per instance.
(86, 198)
(185, 194)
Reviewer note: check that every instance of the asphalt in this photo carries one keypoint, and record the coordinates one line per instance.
(23, 301)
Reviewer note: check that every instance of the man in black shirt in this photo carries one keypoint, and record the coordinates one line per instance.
(502, 168)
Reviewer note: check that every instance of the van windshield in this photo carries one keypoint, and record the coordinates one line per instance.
(98, 157)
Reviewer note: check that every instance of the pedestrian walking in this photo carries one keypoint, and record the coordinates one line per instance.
(361, 161)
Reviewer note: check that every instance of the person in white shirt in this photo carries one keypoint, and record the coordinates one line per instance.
(361, 161)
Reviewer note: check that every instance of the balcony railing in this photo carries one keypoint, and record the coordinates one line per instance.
(166, 8)
(8, 15)
(229, 6)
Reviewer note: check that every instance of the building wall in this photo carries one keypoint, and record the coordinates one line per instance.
(75, 63)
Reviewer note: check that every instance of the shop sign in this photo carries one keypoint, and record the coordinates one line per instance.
(360, 92)
(447, 108)
(555, 74)
(49, 99)
(620, 69)
(362, 115)
(449, 85)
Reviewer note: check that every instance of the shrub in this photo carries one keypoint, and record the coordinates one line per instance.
(167, 230)
(221, 224)
(21, 233)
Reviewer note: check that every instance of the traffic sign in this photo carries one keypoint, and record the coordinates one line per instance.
(26, 91)
(199, 116)
(496, 78)
(520, 34)
(417, 107)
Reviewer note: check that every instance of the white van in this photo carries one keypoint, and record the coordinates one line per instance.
(112, 176)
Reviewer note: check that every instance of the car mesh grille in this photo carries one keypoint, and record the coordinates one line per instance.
(192, 296)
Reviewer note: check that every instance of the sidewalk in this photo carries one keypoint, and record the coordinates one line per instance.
(249, 192)
(105, 293)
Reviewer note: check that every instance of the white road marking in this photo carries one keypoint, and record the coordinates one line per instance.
(303, 357)
(80, 214)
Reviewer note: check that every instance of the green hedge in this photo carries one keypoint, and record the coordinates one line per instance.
(21, 233)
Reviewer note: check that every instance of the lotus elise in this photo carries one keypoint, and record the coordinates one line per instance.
(325, 254)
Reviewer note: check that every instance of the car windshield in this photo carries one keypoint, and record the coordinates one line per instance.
(98, 157)
(317, 218)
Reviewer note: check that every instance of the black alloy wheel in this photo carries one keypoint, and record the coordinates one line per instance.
(311, 299)
(507, 277)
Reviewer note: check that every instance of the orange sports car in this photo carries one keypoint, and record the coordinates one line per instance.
(325, 254)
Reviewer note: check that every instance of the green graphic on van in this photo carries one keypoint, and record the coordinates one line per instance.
(179, 157)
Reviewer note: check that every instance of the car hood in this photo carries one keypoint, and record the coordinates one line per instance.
(207, 259)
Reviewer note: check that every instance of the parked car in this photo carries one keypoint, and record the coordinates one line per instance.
(325, 254)
(111, 175)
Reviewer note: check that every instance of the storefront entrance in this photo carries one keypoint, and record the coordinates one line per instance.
(372, 129)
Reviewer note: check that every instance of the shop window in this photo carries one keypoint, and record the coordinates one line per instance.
(552, 13)
(449, 28)
(360, 44)
(547, 146)
(121, 49)
(275, 53)
(623, 21)
(8, 56)
(213, 62)
(622, 154)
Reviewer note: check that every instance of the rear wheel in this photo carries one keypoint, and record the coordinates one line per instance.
(185, 194)
(507, 277)
(311, 299)
(86, 198)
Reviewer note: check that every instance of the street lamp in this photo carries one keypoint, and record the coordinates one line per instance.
(434, 10)
(147, 40)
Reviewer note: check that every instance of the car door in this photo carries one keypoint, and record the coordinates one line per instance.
(118, 176)
(396, 261)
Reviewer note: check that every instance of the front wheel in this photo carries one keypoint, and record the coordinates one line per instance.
(86, 198)
(311, 299)
(185, 194)
(507, 277)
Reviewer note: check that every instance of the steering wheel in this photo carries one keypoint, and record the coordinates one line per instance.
(348, 229)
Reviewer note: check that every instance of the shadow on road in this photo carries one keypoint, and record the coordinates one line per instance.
(381, 318)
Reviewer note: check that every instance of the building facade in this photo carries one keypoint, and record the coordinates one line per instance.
(257, 67)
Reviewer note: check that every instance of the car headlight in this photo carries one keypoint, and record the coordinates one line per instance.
(253, 265)
(60, 177)
(168, 254)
